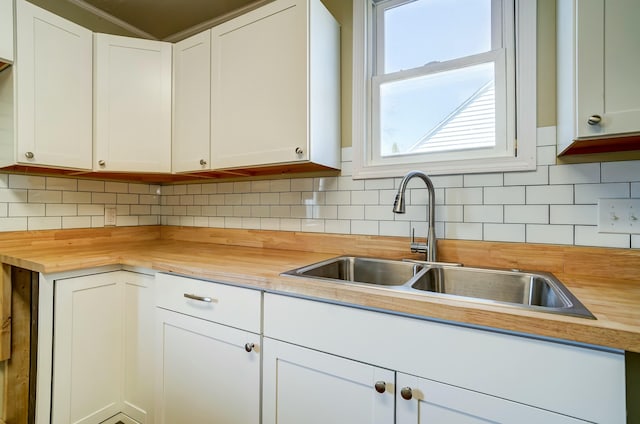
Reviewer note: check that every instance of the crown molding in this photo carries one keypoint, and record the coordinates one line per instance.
(108, 17)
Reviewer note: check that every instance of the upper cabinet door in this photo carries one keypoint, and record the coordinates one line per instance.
(265, 66)
(608, 62)
(53, 90)
(598, 88)
(133, 105)
(6, 31)
(191, 103)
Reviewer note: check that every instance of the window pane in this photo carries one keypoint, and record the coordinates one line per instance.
(451, 110)
(424, 31)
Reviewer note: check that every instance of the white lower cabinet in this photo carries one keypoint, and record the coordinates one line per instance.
(316, 370)
(305, 386)
(103, 349)
(208, 370)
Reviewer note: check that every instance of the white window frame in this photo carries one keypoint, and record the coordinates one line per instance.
(523, 137)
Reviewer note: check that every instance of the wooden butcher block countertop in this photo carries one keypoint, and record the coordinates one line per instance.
(606, 281)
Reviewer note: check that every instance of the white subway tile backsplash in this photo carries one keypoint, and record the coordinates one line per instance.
(337, 226)
(91, 185)
(351, 212)
(505, 232)
(13, 224)
(463, 231)
(549, 234)
(8, 195)
(589, 236)
(546, 155)
(504, 195)
(546, 136)
(312, 225)
(538, 177)
(526, 214)
(280, 186)
(27, 182)
(635, 241)
(114, 187)
(394, 228)
(614, 172)
(104, 198)
(45, 196)
(574, 173)
(463, 196)
(449, 213)
(54, 209)
(590, 193)
(76, 197)
(76, 222)
(26, 209)
(370, 197)
(364, 227)
(552, 204)
(483, 180)
(44, 223)
(574, 214)
(68, 184)
(483, 213)
(325, 212)
(552, 194)
(290, 224)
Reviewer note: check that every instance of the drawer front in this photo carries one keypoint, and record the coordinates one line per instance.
(233, 306)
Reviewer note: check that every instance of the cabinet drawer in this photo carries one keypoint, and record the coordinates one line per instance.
(228, 305)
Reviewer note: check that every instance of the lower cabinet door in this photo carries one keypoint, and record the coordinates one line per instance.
(306, 386)
(423, 401)
(206, 372)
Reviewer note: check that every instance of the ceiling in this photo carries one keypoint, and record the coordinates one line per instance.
(167, 19)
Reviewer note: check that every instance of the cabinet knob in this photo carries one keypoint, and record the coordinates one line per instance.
(594, 120)
(29, 155)
(203, 162)
(299, 150)
(406, 393)
(380, 386)
(101, 163)
(249, 347)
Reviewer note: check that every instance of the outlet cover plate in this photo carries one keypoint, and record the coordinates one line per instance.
(109, 216)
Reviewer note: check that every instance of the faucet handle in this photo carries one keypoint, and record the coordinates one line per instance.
(417, 247)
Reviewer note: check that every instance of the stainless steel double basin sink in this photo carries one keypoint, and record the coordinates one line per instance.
(538, 291)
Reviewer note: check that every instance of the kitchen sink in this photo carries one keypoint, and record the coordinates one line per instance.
(361, 270)
(522, 289)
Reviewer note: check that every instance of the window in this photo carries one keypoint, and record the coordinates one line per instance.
(437, 84)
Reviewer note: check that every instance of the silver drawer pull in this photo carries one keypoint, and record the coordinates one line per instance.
(200, 298)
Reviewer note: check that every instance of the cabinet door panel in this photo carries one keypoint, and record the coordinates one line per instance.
(191, 103)
(6, 30)
(608, 59)
(54, 90)
(205, 375)
(87, 349)
(133, 104)
(437, 403)
(259, 86)
(306, 386)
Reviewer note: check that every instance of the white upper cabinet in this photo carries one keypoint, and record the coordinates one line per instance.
(275, 87)
(191, 103)
(598, 61)
(53, 97)
(132, 105)
(6, 31)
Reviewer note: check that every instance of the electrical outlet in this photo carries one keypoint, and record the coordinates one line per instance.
(109, 216)
(619, 216)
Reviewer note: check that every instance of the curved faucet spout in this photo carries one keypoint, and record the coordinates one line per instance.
(399, 207)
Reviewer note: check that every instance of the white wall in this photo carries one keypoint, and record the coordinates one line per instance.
(555, 204)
